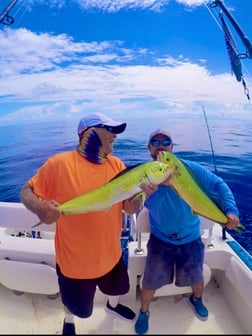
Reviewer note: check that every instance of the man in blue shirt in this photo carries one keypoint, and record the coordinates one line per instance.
(175, 248)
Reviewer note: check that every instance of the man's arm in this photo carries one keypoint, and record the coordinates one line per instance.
(46, 211)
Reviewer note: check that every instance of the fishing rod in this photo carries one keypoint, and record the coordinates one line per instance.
(5, 18)
(224, 237)
(210, 139)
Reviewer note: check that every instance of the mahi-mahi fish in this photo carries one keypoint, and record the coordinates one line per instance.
(123, 186)
(187, 188)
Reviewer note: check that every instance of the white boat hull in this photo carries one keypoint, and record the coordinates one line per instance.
(27, 267)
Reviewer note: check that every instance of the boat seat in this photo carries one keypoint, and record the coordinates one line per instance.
(16, 216)
(28, 277)
(143, 225)
(27, 263)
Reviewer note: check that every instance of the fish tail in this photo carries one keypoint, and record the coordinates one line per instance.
(241, 226)
(35, 225)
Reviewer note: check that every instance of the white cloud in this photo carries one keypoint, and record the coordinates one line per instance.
(113, 6)
(53, 74)
(192, 2)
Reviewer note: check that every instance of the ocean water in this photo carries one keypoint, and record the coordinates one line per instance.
(23, 148)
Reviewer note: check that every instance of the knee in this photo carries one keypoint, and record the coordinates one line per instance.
(82, 312)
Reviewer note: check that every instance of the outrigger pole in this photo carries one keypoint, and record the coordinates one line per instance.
(234, 55)
(5, 18)
(245, 40)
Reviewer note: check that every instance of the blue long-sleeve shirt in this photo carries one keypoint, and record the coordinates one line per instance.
(172, 219)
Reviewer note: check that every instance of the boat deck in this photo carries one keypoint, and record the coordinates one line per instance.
(38, 314)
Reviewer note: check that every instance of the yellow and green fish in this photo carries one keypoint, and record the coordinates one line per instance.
(123, 186)
(186, 186)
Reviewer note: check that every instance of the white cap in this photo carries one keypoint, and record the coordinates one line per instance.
(100, 119)
(160, 131)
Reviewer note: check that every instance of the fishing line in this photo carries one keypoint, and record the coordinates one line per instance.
(210, 139)
(213, 16)
(219, 25)
(8, 19)
(19, 14)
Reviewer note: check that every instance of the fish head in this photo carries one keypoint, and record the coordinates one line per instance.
(157, 172)
(165, 156)
(171, 160)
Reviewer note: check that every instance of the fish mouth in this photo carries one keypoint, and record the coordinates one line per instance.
(160, 155)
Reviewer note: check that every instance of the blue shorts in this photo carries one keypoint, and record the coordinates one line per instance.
(162, 257)
(78, 294)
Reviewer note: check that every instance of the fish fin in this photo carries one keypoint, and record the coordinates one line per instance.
(240, 227)
(143, 198)
(127, 169)
(140, 193)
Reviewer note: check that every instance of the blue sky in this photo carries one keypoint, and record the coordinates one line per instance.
(127, 58)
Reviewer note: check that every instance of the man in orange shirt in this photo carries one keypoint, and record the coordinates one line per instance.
(88, 249)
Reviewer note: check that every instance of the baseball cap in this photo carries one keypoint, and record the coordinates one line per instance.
(96, 119)
(160, 131)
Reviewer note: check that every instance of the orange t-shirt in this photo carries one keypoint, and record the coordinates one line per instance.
(87, 245)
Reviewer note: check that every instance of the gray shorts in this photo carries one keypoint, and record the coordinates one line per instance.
(164, 260)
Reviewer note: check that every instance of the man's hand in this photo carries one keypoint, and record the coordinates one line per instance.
(48, 212)
(232, 221)
(133, 204)
(151, 188)
(168, 180)
(148, 188)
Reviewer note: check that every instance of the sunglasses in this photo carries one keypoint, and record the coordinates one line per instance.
(108, 128)
(156, 143)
